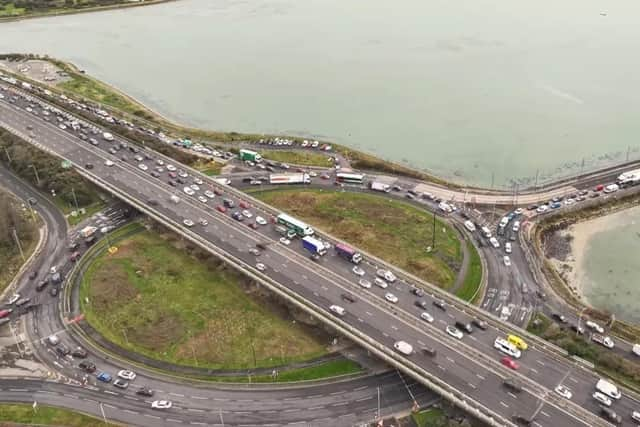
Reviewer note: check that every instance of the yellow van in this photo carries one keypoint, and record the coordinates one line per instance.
(518, 342)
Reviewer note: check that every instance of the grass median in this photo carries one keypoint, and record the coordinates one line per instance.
(156, 299)
(390, 229)
(473, 278)
(302, 158)
(46, 415)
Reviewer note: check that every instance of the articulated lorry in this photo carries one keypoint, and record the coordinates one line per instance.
(379, 186)
(313, 245)
(348, 253)
(289, 178)
(250, 156)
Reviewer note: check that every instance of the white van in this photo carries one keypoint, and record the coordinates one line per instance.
(494, 242)
(469, 226)
(507, 348)
(608, 388)
(403, 347)
(486, 232)
(175, 199)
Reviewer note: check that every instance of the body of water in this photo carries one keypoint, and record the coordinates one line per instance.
(469, 90)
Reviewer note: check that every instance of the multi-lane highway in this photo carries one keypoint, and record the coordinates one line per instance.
(467, 367)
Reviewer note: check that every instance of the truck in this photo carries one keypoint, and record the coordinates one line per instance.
(107, 136)
(629, 178)
(289, 178)
(603, 340)
(313, 245)
(608, 388)
(348, 253)
(379, 186)
(250, 156)
(88, 231)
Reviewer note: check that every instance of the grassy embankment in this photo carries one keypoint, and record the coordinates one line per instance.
(12, 216)
(155, 298)
(392, 230)
(34, 9)
(303, 158)
(18, 414)
(208, 167)
(623, 371)
(473, 278)
(95, 90)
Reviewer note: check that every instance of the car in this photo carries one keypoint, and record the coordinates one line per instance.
(152, 202)
(188, 222)
(254, 251)
(203, 199)
(244, 205)
(454, 332)
(285, 241)
(417, 292)
(144, 391)
(247, 214)
(221, 208)
(380, 283)
(358, 271)
(348, 297)
(127, 375)
(120, 383)
(593, 325)
(87, 366)
(104, 377)
(182, 174)
(506, 260)
(79, 353)
(422, 304)
(228, 203)
(198, 181)
(189, 191)
(314, 257)
(203, 222)
(507, 247)
(5, 313)
(518, 211)
(260, 266)
(464, 326)
(261, 220)
(172, 183)
(195, 187)
(480, 324)
(364, 283)
(143, 167)
(209, 194)
(171, 168)
(386, 275)
(559, 317)
(440, 304)
(155, 174)
(564, 391)
(512, 384)
(391, 297)
(426, 317)
(22, 301)
(13, 299)
(89, 165)
(542, 209)
(509, 363)
(53, 340)
(218, 192)
(602, 398)
(337, 310)
(161, 404)
(635, 416)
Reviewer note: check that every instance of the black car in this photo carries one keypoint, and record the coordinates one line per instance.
(79, 352)
(228, 203)
(62, 350)
(440, 304)
(144, 391)
(464, 326)
(171, 183)
(33, 275)
(610, 415)
(431, 352)
(559, 317)
(89, 166)
(422, 304)
(152, 202)
(348, 297)
(577, 329)
(480, 324)
(41, 285)
(155, 174)
(417, 292)
(87, 366)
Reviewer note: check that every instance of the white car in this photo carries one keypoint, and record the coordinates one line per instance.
(391, 297)
(507, 260)
(285, 241)
(261, 220)
(386, 275)
(14, 298)
(160, 162)
(198, 181)
(454, 332)
(108, 163)
(337, 310)
(247, 214)
(189, 191)
(380, 283)
(260, 266)
(542, 209)
(518, 211)
(507, 247)
(203, 199)
(188, 223)
(569, 202)
(182, 174)
(593, 325)
(564, 392)
(403, 347)
(194, 187)
(313, 174)
(143, 167)
(209, 194)
(203, 222)
(602, 398)
(358, 271)
(608, 342)
(161, 404)
(364, 283)
(635, 416)
(127, 375)
(426, 317)
(171, 168)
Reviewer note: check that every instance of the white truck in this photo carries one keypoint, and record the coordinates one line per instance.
(289, 178)
(107, 136)
(379, 186)
(604, 386)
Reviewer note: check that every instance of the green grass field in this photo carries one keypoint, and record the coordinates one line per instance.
(430, 418)
(392, 230)
(99, 92)
(474, 275)
(157, 300)
(46, 415)
(10, 10)
(209, 167)
(310, 158)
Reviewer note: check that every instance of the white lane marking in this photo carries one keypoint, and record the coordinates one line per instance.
(340, 404)
(110, 392)
(368, 314)
(395, 328)
(533, 370)
(172, 420)
(540, 362)
(200, 397)
(450, 360)
(504, 404)
(151, 416)
(512, 395)
(195, 410)
(573, 379)
(313, 408)
(335, 393)
(544, 413)
(471, 385)
(176, 394)
(130, 411)
(362, 399)
(20, 390)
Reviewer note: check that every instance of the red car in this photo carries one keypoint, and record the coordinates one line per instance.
(599, 187)
(244, 205)
(509, 363)
(325, 176)
(299, 170)
(74, 256)
(218, 191)
(5, 313)
(221, 209)
(173, 174)
(253, 225)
